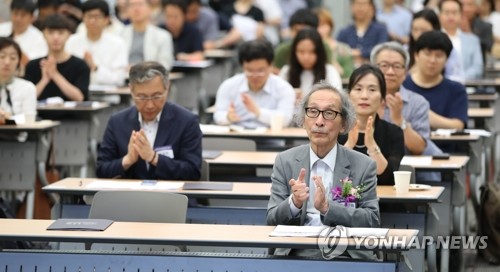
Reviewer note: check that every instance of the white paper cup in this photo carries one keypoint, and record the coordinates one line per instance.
(276, 122)
(402, 181)
(30, 118)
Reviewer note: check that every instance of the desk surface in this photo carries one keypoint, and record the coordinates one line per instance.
(483, 97)
(241, 190)
(219, 53)
(96, 106)
(245, 158)
(177, 234)
(454, 138)
(486, 82)
(37, 126)
(266, 159)
(285, 133)
(481, 112)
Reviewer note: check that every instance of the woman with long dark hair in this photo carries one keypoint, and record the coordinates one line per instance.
(308, 63)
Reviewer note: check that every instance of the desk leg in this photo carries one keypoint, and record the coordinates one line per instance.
(445, 259)
(431, 257)
(30, 204)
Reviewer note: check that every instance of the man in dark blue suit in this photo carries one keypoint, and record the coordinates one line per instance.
(153, 140)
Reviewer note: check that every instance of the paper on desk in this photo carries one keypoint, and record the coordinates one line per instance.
(316, 231)
(417, 160)
(115, 184)
(247, 130)
(479, 132)
(213, 129)
(104, 88)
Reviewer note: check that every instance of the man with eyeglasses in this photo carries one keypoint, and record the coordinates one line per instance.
(447, 98)
(251, 98)
(406, 109)
(304, 176)
(153, 140)
(104, 53)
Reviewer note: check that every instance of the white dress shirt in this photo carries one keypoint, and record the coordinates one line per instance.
(150, 129)
(276, 97)
(22, 96)
(109, 53)
(32, 42)
(323, 168)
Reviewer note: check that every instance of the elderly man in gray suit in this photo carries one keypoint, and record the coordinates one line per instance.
(304, 175)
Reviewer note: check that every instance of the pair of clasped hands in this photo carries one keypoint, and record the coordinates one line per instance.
(138, 146)
(300, 192)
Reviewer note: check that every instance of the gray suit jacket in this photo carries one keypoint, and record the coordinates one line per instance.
(472, 57)
(349, 163)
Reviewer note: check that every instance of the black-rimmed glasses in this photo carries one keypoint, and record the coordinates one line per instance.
(327, 114)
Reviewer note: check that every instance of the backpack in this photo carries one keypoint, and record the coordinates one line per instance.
(489, 222)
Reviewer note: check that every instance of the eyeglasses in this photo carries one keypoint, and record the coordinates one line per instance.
(145, 98)
(396, 67)
(255, 74)
(327, 114)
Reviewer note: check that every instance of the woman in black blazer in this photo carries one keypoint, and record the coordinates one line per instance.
(381, 140)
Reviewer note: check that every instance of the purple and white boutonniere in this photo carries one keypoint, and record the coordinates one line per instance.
(347, 194)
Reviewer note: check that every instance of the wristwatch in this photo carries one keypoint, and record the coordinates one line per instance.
(403, 124)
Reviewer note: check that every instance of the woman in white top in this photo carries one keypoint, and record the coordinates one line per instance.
(308, 64)
(17, 96)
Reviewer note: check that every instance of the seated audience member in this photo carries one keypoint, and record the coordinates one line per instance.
(301, 19)
(246, 18)
(466, 44)
(154, 139)
(188, 41)
(427, 20)
(447, 98)
(402, 107)
(272, 19)
(341, 52)
(372, 136)
(204, 18)
(207, 21)
(59, 74)
(29, 38)
(365, 33)
(105, 54)
(45, 8)
(472, 23)
(145, 41)
(397, 19)
(17, 96)
(308, 65)
(288, 8)
(303, 177)
(251, 98)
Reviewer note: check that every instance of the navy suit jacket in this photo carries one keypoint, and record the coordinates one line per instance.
(177, 128)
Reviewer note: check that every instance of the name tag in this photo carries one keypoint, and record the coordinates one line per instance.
(165, 151)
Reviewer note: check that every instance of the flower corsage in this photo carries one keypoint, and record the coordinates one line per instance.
(346, 193)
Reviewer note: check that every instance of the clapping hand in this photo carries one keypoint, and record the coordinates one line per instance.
(300, 190)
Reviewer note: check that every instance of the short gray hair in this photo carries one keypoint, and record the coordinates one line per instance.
(347, 109)
(391, 46)
(146, 71)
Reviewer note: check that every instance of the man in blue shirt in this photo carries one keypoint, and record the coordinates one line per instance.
(397, 19)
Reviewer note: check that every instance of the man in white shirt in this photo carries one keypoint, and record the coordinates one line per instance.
(105, 54)
(145, 41)
(251, 98)
(20, 28)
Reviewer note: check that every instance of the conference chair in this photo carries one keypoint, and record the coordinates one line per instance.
(404, 167)
(139, 206)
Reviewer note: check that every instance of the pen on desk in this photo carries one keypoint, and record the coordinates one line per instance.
(80, 183)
